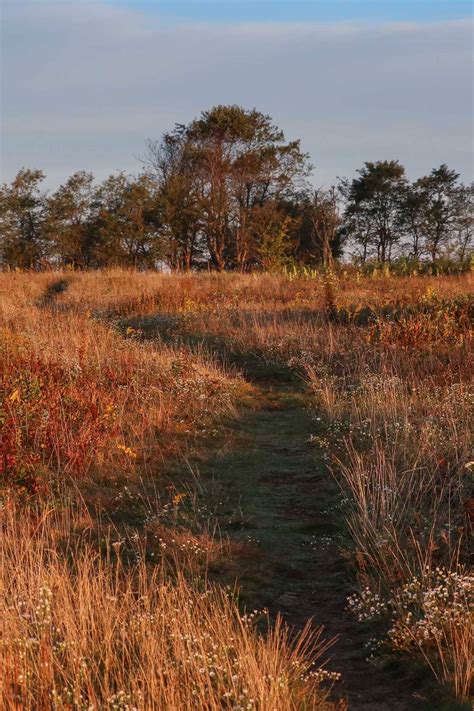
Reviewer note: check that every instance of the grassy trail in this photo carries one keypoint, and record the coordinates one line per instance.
(289, 505)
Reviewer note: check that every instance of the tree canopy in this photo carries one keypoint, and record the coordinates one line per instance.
(228, 192)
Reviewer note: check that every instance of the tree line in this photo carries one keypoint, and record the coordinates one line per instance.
(228, 192)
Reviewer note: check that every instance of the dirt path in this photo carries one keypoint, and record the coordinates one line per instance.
(289, 504)
(278, 493)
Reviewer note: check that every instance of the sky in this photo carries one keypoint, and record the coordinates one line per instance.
(85, 83)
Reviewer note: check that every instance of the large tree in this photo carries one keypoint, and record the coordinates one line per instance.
(170, 164)
(412, 219)
(128, 222)
(374, 201)
(319, 234)
(462, 241)
(230, 162)
(22, 236)
(72, 221)
(443, 204)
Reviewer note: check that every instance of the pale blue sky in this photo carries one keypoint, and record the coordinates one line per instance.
(86, 82)
(304, 10)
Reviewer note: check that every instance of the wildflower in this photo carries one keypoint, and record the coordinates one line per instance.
(128, 451)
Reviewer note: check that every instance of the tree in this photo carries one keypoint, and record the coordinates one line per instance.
(462, 240)
(373, 203)
(442, 200)
(22, 238)
(412, 218)
(127, 222)
(72, 221)
(171, 165)
(270, 237)
(357, 229)
(232, 162)
(325, 221)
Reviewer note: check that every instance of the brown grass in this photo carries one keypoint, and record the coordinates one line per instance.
(80, 630)
(94, 616)
(80, 400)
(87, 395)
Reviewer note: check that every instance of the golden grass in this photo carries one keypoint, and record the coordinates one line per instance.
(81, 630)
(88, 396)
(80, 400)
(94, 618)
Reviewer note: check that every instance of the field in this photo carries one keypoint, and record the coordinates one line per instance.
(232, 491)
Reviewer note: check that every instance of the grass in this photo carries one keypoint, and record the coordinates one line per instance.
(110, 382)
(82, 630)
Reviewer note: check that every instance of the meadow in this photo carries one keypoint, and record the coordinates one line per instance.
(200, 470)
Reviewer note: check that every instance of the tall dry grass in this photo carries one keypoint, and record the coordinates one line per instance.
(85, 394)
(82, 630)
(391, 375)
(80, 400)
(98, 617)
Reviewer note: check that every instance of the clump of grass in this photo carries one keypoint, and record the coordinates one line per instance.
(432, 615)
(53, 290)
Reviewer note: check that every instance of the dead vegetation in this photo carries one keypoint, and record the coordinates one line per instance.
(107, 379)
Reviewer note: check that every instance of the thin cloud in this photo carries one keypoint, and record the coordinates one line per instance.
(85, 85)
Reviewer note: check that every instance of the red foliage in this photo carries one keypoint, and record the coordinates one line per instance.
(51, 420)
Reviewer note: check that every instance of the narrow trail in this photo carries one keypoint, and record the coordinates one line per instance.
(288, 503)
(278, 493)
